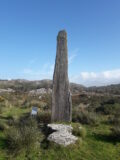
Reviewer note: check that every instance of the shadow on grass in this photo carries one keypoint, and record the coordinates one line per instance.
(2, 143)
(45, 144)
(107, 138)
(6, 117)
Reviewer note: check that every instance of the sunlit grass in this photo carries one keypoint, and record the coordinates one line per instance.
(15, 111)
(97, 145)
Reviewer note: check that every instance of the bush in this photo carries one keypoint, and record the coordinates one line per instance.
(116, 125)
(109, 108)
(44, 117)
(84, 117)
(3, 125)
(24, 135)
(116, 131)
(2, 107)
(2, 99)
(78, 130)
(1, 110)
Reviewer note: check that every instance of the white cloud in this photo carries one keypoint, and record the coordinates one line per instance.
(97, 78)
(114, 74)
(72, 56)
(46, 72)
(84, 78)
(87, 75)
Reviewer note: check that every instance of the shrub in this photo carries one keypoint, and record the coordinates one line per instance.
(3, 125)
(78, 130)
(116, 119)
(2, 99)
(116, 125)
(35, 103)
(47, 99)
(84, 117)
(1, 110)
(116, 131)
(23, 135)
(2, 107)
(109, 108)
(44, 117)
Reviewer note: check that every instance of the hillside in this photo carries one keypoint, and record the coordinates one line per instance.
(26, 86)
(96, 109)
(110, 89)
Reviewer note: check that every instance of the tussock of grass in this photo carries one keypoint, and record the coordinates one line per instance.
(78, 130)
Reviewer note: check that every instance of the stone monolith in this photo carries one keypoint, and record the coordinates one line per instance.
(61, 97)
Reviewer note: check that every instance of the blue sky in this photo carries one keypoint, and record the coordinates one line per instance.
(28, 30)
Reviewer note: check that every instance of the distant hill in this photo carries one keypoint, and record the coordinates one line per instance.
(26, 86)
(112, 89)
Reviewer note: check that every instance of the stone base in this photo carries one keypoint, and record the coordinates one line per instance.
(62, 135)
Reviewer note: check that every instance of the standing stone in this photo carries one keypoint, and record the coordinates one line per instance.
(61, 97)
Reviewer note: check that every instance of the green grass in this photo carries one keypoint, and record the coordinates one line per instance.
(2, 146)
(97, 145)
(4, 117)
(15, 111)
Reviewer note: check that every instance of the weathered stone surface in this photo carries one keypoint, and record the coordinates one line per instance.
(62, 135)
(61, 97)
(61, 127)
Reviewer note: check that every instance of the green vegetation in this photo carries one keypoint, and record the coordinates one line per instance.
(96, 122)
(1, 99)
(23, 135)
(97, 145)
(116, 125)
(78, 130)
(44, 117)
(85, 117)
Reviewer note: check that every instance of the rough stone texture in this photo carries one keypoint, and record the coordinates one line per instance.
(62, 135)
(61, 97)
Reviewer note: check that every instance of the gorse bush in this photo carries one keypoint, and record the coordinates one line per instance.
(85, 117)
(23, 135)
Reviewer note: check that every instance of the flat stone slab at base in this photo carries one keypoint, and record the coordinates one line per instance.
(62, 135)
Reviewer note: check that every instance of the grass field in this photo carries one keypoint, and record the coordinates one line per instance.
(97, 145)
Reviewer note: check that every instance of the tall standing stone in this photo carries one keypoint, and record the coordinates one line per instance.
(61, 97)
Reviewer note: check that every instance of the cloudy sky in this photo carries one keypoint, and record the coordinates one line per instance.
(28, 30)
